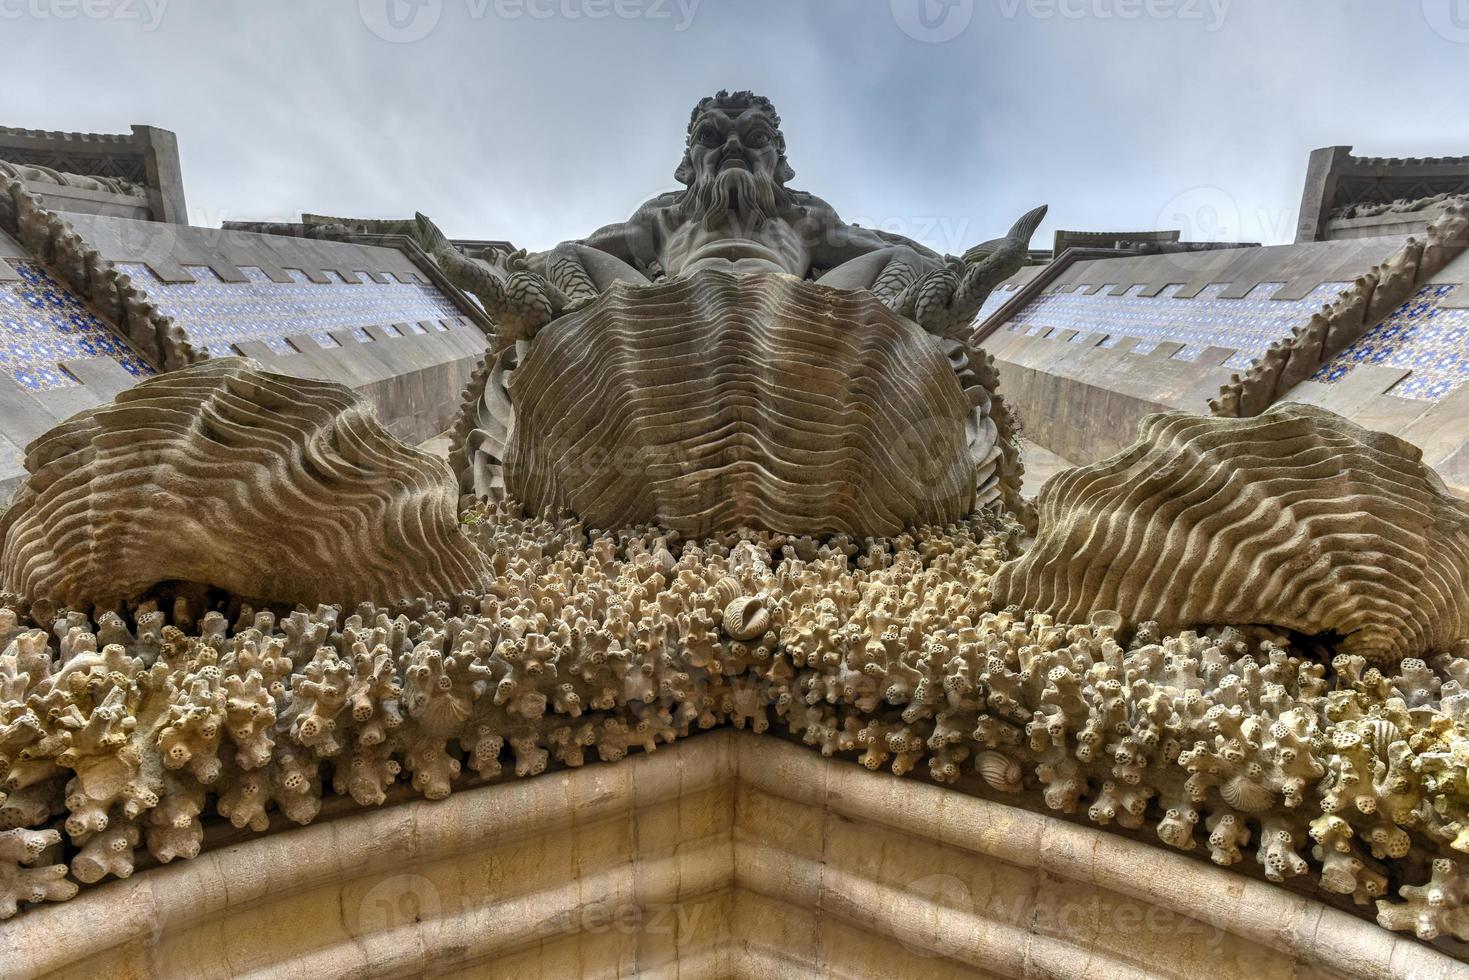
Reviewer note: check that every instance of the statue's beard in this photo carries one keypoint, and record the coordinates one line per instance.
(738, 199)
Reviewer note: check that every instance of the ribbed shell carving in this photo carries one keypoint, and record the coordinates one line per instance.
(716, 401)
(1296, 518)
(272, 488)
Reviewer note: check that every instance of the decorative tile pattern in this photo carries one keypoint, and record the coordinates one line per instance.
(43, 323)
(1247, 325)
(1419, 336)
(217, 314)
(997, 297)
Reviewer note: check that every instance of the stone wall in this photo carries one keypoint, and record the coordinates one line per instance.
(1103, 342)
(90, 303)
(147, 156)
(1406, 375)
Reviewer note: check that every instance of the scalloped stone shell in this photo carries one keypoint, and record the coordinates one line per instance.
(1296, 518)
(714, 402)
(272, 488)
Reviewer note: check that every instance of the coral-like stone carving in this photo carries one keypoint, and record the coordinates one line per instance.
(37, 174)
(717, 401)
(1341, 322)
(222, 475)
(1298, 519)
(131, 733)
(19, 883)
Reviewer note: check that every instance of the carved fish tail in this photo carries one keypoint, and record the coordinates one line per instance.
(569, 276)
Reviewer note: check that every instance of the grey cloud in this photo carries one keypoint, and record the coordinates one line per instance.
(539, 120)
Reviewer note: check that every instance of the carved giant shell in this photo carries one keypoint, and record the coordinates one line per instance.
(1296, 518)
(713, 402)
(272, 488)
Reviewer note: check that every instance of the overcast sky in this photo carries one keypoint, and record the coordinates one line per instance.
(539, 120)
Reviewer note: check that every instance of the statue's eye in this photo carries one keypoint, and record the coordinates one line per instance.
(709, 136)
(758, 140)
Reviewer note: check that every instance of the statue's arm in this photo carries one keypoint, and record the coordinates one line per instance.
(864, 258)
(636, 241)
(840, 242)
(583, 270)
(518, 299)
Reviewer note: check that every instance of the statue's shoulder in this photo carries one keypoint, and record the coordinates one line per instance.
(814, 207)
(658, 206)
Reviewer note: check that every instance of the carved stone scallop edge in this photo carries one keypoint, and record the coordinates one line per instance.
(487, 412)
(1258, 520)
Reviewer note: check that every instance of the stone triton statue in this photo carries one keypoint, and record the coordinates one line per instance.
(736, 355)
(737, 215)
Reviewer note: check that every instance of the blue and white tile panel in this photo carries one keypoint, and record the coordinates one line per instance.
(1248, 325)
(43, 323)
(217, 315)
(1430, 340)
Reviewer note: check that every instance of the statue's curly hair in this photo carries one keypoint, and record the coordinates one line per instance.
(724, 99)
(737, 101)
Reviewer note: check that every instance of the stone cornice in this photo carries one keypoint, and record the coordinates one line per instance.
(743, 833)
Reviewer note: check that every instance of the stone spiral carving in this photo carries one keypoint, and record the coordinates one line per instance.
(746, 618)
(716, 401)
(272, 488)
(1296, 519)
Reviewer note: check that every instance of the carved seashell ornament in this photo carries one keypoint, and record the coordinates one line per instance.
(999, 771)
(1295, 519)
(268, 487)
(747, 618)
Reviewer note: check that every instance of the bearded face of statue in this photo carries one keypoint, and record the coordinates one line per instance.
(735, 168)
